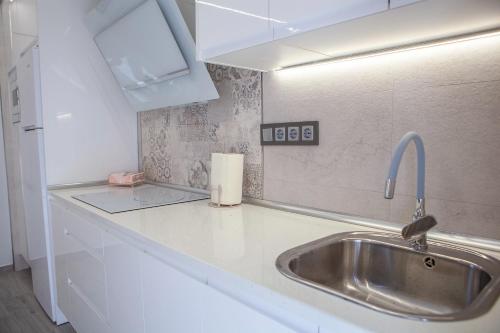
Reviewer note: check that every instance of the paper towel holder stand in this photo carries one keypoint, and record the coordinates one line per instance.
(218, 188)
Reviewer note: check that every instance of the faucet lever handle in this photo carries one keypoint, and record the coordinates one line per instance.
(419, 227)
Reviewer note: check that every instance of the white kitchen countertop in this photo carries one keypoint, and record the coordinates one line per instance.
(245, 241)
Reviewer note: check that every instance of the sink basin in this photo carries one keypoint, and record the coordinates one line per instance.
(380, 271)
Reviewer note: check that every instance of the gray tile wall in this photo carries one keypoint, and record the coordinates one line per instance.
(177, 141)
(449, 94)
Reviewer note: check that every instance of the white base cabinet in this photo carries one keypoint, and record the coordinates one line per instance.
(106, 285)
(226, 315)
(83, 317)
(123, 285)
(173, 302)
(80, 271)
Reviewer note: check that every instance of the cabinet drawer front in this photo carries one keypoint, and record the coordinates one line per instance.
(85, 233)
(82, 314)
(84, 261)
(87, 272)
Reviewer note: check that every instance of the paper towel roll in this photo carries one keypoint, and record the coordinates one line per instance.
(226, 178)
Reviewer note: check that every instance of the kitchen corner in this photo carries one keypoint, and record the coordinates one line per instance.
(264, 166)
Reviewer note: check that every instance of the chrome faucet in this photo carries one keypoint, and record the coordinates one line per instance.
(415, 231)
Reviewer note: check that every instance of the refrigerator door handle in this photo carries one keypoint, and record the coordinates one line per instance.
(31, 128)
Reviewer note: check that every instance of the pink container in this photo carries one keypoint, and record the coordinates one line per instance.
(126, 178)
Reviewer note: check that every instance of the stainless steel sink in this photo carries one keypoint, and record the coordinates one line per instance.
(382, 272)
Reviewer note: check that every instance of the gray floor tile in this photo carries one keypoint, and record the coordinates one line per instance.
(19, 310)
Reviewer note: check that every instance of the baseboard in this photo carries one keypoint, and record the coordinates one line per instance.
(7, 268)
(60, 317)
(19, 263)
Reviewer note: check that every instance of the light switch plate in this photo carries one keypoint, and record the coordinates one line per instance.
(304, 133)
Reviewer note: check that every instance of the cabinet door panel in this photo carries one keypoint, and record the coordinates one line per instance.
(226, 315)
(228, 25)
(84, 318)
(123, 280)
(173, 301)
(307, 15)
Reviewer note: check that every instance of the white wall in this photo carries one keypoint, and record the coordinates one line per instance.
(90, 129)
(5, 236)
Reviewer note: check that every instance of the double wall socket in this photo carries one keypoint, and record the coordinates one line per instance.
(304, 133)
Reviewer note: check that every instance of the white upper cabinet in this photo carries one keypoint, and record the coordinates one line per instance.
(224, 26)
(227, 25)
(234, 31)
(275, 34)
(305, 15)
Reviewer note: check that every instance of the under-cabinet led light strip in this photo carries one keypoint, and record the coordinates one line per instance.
(397, 49)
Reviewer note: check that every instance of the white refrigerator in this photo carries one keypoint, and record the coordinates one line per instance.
(34, 184)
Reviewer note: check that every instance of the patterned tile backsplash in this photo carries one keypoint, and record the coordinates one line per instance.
(177, 141)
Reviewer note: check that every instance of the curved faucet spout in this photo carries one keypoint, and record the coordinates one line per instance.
(415, 231)
(396, 160)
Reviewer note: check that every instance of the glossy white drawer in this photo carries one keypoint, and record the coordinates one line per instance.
(85, 261)
(82, 314)
(84, 232)
(87, 272)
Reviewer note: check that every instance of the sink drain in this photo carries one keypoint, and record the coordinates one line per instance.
(429, 262)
